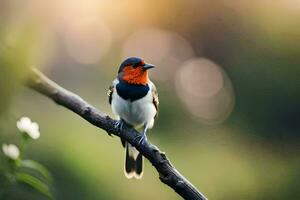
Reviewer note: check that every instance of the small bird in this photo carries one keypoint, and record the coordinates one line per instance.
(134, 99)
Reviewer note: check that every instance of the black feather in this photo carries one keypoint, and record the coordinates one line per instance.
(129, 162)
(131, 92)
(139, 164)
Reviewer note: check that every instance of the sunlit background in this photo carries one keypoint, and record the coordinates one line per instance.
(228, 76)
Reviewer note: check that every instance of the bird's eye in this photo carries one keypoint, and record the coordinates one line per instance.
(138, 64)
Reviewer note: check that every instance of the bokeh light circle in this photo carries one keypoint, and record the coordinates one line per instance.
(166, 49)
(205, 90)
(87, 40)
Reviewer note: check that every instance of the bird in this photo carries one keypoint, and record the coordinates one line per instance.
(134, 100)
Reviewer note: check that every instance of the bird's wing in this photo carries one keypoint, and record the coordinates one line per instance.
(155, 98)
(111, 90)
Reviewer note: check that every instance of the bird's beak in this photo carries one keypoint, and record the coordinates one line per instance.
(148, 66)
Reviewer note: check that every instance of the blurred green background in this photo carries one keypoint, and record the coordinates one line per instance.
(228, 77)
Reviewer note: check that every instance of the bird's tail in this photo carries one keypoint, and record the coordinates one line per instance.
(133, 162)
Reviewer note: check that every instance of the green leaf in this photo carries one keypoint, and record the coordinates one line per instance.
(35, 166)
(35, 183)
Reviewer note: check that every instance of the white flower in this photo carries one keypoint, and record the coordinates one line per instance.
(30, 128)
(11, 151)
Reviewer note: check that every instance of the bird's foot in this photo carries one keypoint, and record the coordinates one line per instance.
(119, 125)
(143, 139)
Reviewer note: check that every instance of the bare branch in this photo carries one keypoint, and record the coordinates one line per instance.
(167, 172)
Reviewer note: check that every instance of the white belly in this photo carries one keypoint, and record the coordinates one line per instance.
(135, 113)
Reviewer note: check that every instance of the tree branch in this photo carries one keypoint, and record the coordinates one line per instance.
(167, 173)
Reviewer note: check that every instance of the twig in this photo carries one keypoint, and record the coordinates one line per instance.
(167, 172)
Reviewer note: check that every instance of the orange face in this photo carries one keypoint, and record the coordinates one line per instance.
(135, 75)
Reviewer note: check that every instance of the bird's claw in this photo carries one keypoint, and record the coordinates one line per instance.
(119, 125)
(143, 139)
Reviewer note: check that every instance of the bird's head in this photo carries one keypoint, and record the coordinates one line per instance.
(134, 71)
